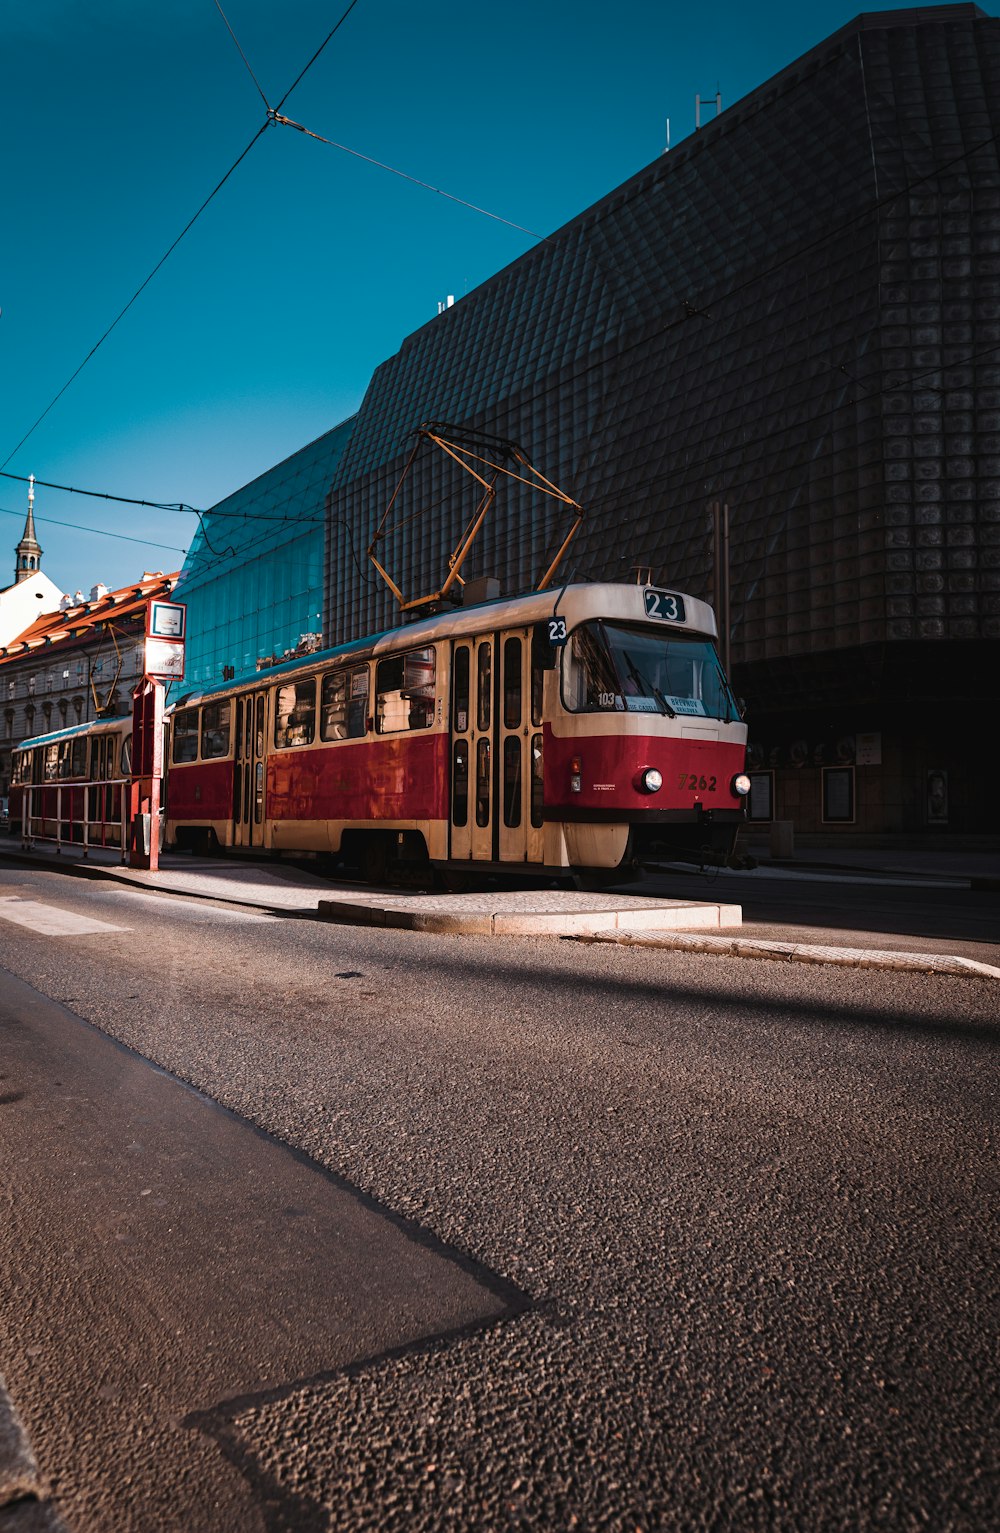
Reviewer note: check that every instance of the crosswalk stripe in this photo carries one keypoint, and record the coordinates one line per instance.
(49, 921)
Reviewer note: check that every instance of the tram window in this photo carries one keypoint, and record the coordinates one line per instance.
(295, 713)
(357, 705)
(484, 685)
(258, 792)
(482, 782)
(643, 671)
(185, 736)
(512, 686)
(537, 781)
(512, 781)
(50, 770)
(66, 749)
(22, 768)
(127, 756)
(460, 706)
(78, 757)
(537, 692)
(215, 729)
(344, 705)
(404, 692)
(589, 680)
(460, 783)
(259, 724)
(333, 706)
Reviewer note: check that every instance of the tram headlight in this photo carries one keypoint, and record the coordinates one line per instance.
(575, 775)
(651, 781)
(741, 785)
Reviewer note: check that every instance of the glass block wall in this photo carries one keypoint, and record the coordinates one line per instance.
(253, 577)
(796, 313)
(790, 312)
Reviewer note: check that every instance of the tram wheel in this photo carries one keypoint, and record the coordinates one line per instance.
(606, 880)
(375, 860)
(451, 882)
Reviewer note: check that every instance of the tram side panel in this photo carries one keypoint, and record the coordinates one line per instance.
(318, 796)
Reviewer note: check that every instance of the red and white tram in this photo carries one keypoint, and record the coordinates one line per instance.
(564, 731)
(72, 784)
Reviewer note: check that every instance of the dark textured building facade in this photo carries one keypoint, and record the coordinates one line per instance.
(796, 313)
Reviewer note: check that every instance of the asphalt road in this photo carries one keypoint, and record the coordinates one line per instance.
(727, 1228)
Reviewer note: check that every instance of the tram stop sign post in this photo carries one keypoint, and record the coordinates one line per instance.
(164, 661)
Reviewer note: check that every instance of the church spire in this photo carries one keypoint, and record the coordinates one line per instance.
(29, 551)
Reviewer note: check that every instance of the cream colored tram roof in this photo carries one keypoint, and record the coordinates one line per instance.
(615, 602)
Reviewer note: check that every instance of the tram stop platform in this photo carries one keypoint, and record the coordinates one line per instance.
(287, 888)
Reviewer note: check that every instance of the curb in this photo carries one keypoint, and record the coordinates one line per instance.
(791, 952)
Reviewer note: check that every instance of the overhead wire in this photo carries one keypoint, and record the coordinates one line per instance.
(128, 500)
(98, 532)
(142, 286)
(190, 223)
(275, 116)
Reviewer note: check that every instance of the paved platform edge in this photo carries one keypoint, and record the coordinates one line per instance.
(498, 923)
(791, 952)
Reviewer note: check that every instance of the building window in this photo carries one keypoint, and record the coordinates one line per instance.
(838, 795)
(760, 803)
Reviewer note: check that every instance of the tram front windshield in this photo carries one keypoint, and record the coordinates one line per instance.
(609, 667)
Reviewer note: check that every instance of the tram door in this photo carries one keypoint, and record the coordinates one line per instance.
(249, 770)
(496, 750)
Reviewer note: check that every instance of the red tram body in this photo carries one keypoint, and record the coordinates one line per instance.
(571, 731)
(584, 729)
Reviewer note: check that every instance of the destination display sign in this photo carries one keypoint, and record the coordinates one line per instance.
(666, 605)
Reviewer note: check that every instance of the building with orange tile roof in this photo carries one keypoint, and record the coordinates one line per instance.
(78, 663)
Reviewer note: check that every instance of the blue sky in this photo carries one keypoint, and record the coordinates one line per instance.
(309, 267)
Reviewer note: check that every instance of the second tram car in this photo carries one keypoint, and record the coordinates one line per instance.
(72, 784)
(589, 728)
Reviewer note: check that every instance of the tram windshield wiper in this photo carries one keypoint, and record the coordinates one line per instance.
(649, 690)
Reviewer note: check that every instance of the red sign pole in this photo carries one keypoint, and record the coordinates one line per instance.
(147, 774)
(166, 623)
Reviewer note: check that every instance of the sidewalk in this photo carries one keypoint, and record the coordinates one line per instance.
(623, 917)
(949, 860)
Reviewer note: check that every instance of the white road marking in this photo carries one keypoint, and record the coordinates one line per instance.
(49, 921)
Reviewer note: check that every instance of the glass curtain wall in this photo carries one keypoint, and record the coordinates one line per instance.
(253, 577)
